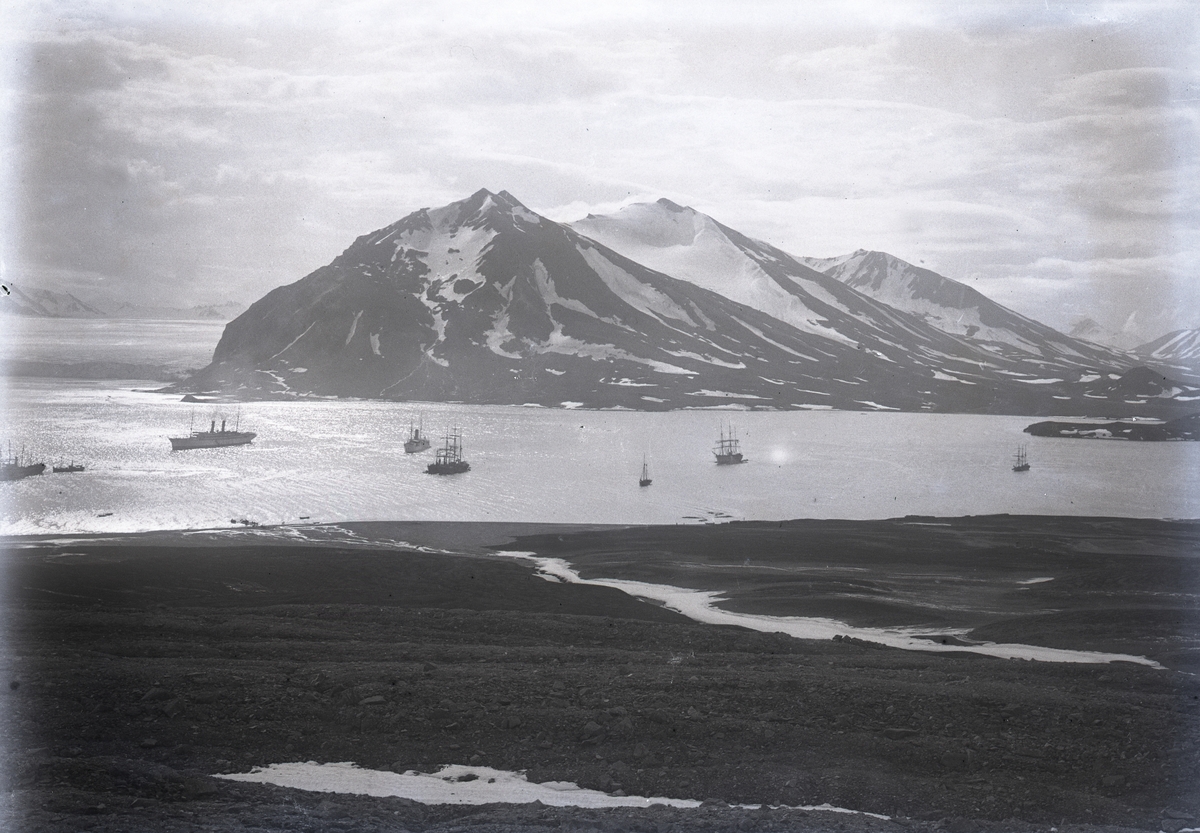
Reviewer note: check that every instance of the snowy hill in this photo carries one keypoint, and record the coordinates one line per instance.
(483, 301)
(44, 303)
(958, 309)
(47, 303)
(1179, 351)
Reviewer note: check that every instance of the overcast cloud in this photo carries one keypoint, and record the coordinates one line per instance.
(1045, 153)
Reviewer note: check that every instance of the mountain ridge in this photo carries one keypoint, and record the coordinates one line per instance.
(483, 300)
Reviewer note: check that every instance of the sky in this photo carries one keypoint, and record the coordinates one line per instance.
(1045, 153)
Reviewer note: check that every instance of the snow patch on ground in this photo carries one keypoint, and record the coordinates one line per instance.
(469, 785)
(701, 606)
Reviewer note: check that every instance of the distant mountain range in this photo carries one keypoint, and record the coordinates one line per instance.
(46, 303)
(1177, 352)
(654, 307)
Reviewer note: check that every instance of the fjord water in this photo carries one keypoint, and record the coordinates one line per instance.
(319, 461)
(326, 460)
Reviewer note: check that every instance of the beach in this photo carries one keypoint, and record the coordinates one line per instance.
(138, 667)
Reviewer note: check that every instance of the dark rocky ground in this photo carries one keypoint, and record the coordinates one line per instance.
(136, 669)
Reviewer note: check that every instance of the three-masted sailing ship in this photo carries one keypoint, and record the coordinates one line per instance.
(1021, 462)
(14, 468)
(728, 450)
(448, 459)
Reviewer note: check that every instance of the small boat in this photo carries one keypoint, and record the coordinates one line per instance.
(68, 469)
(14, 469)
(213, 438)
(448, 459)
(1022, 462)
(645, 478)
(728, 451)
(417, 440)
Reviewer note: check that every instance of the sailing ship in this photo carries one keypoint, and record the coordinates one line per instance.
(728, 451)
(1022, 463)
(213, 438)
(645, 478)
(14, 469)
(417, 440)
(448, 459)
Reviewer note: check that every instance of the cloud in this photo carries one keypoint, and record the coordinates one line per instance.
(219, 149)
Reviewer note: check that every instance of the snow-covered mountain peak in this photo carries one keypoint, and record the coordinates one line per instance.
(644, 225)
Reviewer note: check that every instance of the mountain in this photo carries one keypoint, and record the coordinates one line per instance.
(47, 303)
(201, 312)
(960, 310)
(1090, 330)
(485, 301)
(686, 244)
(44, 303)
(1179, 350)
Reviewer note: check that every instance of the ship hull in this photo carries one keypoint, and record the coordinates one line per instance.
(448, 468)
(729, 459)
(218, 439)
(413, 446)
(15, 472)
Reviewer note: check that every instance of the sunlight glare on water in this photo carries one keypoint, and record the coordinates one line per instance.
(344, 460)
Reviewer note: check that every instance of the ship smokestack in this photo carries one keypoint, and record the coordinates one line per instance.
(212, 428)
(222, 426)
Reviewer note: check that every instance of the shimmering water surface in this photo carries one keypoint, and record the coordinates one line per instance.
(344, 460)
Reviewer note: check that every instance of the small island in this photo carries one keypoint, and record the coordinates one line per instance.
(1183, 428)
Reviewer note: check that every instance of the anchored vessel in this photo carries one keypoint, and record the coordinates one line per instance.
(645, 478)
(448, 459)
(728, 450)
(212, 438)
(14, 469)
(1022, 464)
(417, 440)
(68, 469)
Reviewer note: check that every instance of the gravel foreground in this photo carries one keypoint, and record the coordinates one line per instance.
(137, 668)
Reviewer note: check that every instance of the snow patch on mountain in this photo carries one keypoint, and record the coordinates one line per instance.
(641, 296)
(545, 285)
(1182, 346)
(353, 327)
(685, 244)
(499, 335)
(558, 342)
